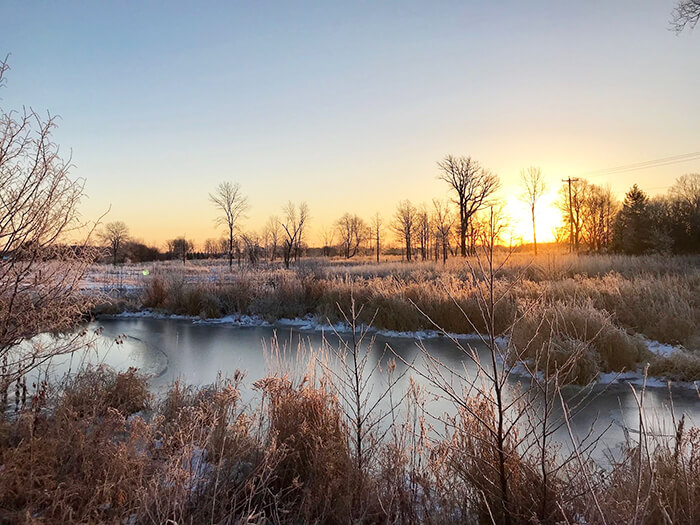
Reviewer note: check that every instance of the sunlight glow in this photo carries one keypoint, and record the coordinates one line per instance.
(547, 218)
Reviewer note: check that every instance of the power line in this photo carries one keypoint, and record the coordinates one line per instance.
(655, 163)
(658, 187)
(663, 159)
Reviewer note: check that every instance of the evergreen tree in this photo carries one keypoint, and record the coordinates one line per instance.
(633, 226)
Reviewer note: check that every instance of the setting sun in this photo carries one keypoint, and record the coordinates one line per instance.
(547, 218)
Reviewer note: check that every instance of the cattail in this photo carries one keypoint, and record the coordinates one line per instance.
(17, 384)
(679, 440)
(4, 386)
(24, 391)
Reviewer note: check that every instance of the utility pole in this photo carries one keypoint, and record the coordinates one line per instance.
(377, 232)
(571, 215)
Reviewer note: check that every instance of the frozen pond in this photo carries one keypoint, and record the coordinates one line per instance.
(170, 349)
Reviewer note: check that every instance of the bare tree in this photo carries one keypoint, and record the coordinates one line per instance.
(271, 235)
(443, 220)
(327, 236)
(404, 225)
(377, 229)
(293, 226)
(251, 246)
(473, 186)
(687, 190)
(353, 232)
(115, 234)
(42, 259)
(598, 211)
(222, 246)
(686, 13)
(533, 187)
(423, 231)
(303, 216)
(211, 247)
(571, 203)
(233, 205)
(180, 248)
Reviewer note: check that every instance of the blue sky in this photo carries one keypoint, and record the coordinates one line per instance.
(347, 105)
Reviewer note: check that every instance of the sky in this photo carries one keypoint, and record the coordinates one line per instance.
(348, 105)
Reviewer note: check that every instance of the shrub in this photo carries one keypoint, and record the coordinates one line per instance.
(679, 366)
(315, 474)
(95, 390)
(155, 293)
(561, 330)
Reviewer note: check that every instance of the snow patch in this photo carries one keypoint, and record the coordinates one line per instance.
(149, 314)
(236, 320)
(661, 349)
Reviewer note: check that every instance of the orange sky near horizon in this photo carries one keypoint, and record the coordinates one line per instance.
(191, 214)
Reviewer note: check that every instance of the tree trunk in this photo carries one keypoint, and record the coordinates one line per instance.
(534, 232)
(463, 223)
(377, 244)
(230, 248)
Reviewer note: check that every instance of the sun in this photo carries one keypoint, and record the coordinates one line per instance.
(547, 219)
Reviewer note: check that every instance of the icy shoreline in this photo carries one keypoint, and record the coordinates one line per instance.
(310, 323)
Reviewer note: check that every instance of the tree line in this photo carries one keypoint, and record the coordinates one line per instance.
(592, 220)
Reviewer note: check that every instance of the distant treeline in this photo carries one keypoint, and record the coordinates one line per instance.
(137, 252)
(593, 220)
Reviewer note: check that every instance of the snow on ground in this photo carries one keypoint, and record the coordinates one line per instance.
(235, 319)
(661, 349)
(636, 377)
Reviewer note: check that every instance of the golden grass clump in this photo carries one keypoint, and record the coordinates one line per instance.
(82, 463)
(466, 483)
(665, 308)
(95, 390)
(550, 335)
(681, 365)
(315, 474)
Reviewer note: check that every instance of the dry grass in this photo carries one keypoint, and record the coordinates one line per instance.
(658, 481)
(679, 366)
(83, 462)
(198, 456)
(550, 334)
(93, 391)
(315, 474)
